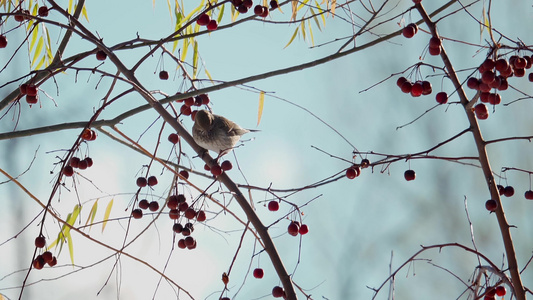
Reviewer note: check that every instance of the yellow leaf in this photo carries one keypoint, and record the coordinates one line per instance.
(107, 213)
(333, 5)
(208, 75)
(261, 104)
(311, 33)
(37, 50)
(70, 247)
(184, 49)
(195, 59)
(294, 10)
(92, 214)
(220, 14)
(84, 13)
(34, 36)
(292, 38)
(41, 63)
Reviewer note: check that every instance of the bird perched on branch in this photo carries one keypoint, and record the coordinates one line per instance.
(216, 133)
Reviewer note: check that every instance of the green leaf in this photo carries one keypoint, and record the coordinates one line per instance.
(311, 32)
(220, 14)
(34, 36)
(292, 38)
(92, 214)
(70, 247)
(107, 213)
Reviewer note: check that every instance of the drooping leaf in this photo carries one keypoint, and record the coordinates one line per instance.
(310, 32)
(260, 108)
(208, 74)
(220, 14)
(92, 214)
(195, 59)
(38, 50)
(70, 247)
(107, 213)
(333, 6)
(294, 10)
(292, 38)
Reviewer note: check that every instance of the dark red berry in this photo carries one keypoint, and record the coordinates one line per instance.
(273, 205)
(258, 273)
(144, 204)
(40, 241)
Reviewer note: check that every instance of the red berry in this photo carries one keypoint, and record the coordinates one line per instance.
(495, 99)
(243, 9)
(82, 165)
(173, 138)
(216, 170)
(401, 81)
(144, 204)
(441, 97)
(304, 229)
(500, 189)
(473, 83)
(68, 171)
(407, 87)
(258, 273)
(152, 180)
(200, 216)
(74, 161)
(38, 262)
(212, 25)
(185, 110)
(530, 77)
(519, 72)
(273, 205)
(189, 241)
(19, 18)
(47, 256)
(488, 77)
(137, 213)
(3, 41)
(31, 99)
(278, 292)
(23, 89)
(409, 175)
(87, 134)
(89, 162)
(274, 4)
(501, 65)
(186, 231)
(426, 88)
(434, 51)
(141, 182)
(435, 42)
(181, 244)
(53, 262)
(500, 290)
(226, 165)
(153, 206)
(163, 75)
(190, 213)
(40, 241)
(491, 205)
(417, 89)
(183, 206)
(258, 10)
(351, 173)
(43, 11)
(101, 55)
(203, 20)
(293, 228)
(248, 3)
(174, 214)
(481, 111)
(529, 195)
(177, 228)
(508, 191)
(409, 31)
(184, 174)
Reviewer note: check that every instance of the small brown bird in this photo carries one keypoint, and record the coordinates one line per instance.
(216, 133)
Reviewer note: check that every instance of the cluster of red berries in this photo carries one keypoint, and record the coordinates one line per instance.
(295, 228)
(495, 291)
(143, 181)
(24, 14)
(242, 6)
(77, 163)
(217, 170)
(188, 103)
(435, 45)
(30, 91)
(416, 89)
(508, 191)
(88, 134)
(494, 75)
(44, 258)
(205, 20)
(355, 170)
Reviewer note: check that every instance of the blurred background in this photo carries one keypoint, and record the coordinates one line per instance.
(360, 229)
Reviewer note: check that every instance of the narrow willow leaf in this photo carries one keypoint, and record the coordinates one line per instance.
(315, 18)
(260, 108)
(310, 32)
(294, 10)
(92, 214)
(70, 247)
(220, 14)
(195, 59)
(41, 63)
(302, 24)
(184, 49)
(38, 50)
(107, 213)
(34, 36)
(292, 38)
(84, 13)
(208, 74)
(333, 6)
